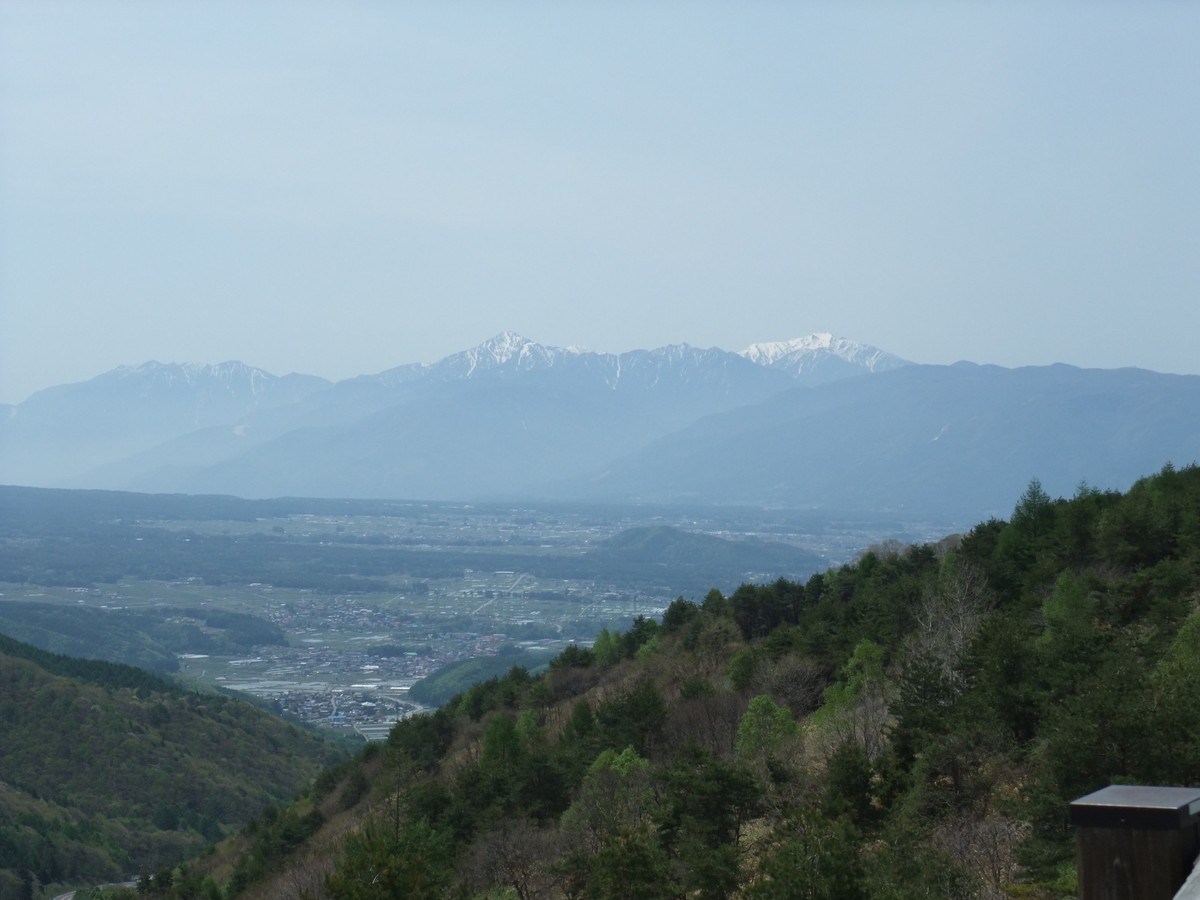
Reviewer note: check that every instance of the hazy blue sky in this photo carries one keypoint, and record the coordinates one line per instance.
(338, 187)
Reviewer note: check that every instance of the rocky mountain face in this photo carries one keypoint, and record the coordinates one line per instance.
(814, 422)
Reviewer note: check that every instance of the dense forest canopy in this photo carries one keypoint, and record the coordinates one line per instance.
(913, 724)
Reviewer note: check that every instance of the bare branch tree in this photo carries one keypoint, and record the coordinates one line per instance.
(949, 616)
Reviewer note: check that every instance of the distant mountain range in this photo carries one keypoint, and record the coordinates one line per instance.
(814, 422)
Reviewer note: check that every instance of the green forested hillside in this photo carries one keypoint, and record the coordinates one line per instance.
(912, 725)
(455, 678)
(105, 768)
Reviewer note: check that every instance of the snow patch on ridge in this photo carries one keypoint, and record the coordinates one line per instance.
(768, 352)
(231, 375)
(805, 353)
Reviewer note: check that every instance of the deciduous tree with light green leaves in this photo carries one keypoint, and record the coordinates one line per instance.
(763, 734)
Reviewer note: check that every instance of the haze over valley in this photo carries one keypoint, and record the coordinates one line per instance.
(323, 606)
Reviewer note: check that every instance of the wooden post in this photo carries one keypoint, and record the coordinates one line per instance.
(1136, 843)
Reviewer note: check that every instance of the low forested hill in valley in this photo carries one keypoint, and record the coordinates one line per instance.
(698, 561)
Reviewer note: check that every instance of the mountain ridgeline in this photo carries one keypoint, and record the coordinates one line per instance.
(910, 725)
(486, 422)
(513, 419)
(815, 423)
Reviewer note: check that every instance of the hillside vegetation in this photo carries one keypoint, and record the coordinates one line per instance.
(457, 677)
(913, 725)
(106, 769)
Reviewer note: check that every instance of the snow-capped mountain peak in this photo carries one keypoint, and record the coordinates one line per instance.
(504, 347)
(766, 353)
(508, 347)
(821, 354)
(507, 351)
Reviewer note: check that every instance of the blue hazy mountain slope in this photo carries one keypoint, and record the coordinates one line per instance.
(157, 423)
(490, 436)
(927, 440)
(64, 431)
(512, 420)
